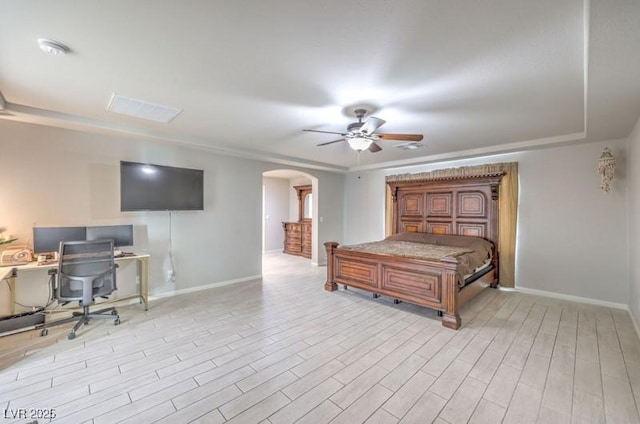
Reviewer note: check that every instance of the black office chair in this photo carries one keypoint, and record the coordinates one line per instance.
(86, 270)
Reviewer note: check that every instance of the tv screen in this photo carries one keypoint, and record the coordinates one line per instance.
(47, 239)
(146, 187)
(122, 235)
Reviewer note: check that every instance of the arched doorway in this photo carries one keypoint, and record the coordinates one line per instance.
(280, 204)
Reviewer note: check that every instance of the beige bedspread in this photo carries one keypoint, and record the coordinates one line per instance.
(470, 252)
(410, 249)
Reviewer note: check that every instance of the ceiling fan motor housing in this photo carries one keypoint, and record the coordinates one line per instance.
(355, 126)
(360, 113)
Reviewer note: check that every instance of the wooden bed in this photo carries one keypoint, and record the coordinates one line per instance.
(457, 206)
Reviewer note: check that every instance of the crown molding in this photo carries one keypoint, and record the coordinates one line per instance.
(27, 114)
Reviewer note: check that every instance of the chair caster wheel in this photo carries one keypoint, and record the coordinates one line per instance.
(44, 332)
(116, 321)
(71, 336)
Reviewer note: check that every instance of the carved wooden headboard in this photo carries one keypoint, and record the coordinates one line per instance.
(463, 206)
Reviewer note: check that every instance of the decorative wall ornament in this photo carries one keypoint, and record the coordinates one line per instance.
(606, 169)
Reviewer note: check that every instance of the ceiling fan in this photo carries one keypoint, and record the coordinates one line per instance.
(362, 136)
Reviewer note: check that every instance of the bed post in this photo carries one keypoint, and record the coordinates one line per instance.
(451, 318)
(495, 194)
(330, 284)
(496, 270)
(394, 212)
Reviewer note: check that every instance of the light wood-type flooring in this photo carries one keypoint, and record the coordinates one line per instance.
(282, 350)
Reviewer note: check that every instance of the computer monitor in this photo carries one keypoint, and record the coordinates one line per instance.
(122, 235)
(47, 239)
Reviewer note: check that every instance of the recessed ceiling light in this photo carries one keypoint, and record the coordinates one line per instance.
(52, 47)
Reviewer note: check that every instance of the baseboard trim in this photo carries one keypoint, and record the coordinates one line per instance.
(572, 298)
(170, 293)
(568, 297)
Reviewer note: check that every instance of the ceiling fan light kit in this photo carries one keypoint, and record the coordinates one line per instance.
(359, 143)
(362, 135)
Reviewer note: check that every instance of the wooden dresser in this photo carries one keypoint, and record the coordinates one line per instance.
(297, 238)
(297, 235)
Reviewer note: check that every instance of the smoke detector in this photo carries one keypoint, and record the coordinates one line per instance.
(52, 47)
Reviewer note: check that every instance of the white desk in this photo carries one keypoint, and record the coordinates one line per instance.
(10, 273)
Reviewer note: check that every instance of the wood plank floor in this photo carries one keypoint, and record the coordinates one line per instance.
(282, 350)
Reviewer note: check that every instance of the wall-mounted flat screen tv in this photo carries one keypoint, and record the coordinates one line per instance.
(147, 187)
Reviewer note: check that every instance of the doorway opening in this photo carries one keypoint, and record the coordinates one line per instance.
(289, 208)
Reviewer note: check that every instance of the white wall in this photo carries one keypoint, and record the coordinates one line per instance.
(329, 208)
(276, 211)
(572, 238)
(57, 177)
(634, 222)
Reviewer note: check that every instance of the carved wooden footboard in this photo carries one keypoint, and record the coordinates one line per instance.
(427, 283)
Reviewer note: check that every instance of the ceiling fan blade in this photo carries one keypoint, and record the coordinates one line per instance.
(374, 148)
(371, 124)
(331, 142)
(326, 132)
(400, 137)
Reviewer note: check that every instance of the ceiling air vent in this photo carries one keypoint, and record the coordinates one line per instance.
(142, 109)
(410, 146)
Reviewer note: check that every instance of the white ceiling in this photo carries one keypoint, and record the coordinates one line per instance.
(475, 77)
